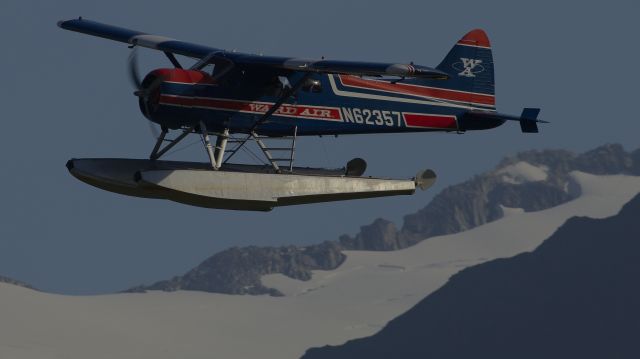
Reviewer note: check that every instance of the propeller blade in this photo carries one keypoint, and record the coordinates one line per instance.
(141, 92)
(154, 130)
(134, 76)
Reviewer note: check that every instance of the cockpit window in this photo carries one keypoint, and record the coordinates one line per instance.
(312, 85)
(277, 85)
(209, 69)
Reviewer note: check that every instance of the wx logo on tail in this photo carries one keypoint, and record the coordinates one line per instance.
(469, 67)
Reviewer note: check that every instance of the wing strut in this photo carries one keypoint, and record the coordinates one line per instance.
(288, 92)
(173, 60)
(157, 152)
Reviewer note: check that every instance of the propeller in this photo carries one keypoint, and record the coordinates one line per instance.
(143, 92)
(134, 75)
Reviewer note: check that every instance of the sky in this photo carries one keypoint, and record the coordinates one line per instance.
(66, 95)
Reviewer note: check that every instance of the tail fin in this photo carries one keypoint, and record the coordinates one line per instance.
(470, 68)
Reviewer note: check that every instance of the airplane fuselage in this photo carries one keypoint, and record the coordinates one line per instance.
(329, 105)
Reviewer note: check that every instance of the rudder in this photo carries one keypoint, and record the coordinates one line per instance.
(470, 67)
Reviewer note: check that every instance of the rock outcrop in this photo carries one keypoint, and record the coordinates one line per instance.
(532, 180)
(238, 270)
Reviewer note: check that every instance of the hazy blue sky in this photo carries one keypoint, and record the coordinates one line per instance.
(66, 95)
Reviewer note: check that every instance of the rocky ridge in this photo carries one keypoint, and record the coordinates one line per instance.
(238, 270)
(481, 199)
(531, 180)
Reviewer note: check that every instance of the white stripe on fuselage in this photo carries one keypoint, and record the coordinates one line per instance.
(432, 98)
(398, 99)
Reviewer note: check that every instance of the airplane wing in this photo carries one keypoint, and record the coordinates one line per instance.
(209, 54)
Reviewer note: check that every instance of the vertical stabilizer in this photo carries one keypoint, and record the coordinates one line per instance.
(469, 65)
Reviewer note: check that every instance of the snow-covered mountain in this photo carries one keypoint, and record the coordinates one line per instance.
(528, 181)
(354, 300)
(531, 180)
(576, 296)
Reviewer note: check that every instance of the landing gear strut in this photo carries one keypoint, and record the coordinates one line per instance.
(216, 154)
(215, 157)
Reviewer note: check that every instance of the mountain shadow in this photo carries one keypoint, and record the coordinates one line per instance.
(576, 296)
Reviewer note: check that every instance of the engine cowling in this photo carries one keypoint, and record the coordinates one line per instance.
(166, 95)
(149, 97)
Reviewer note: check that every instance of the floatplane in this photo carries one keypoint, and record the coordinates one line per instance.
(240, 98)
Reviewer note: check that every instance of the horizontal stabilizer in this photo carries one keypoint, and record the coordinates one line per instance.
(529, 120)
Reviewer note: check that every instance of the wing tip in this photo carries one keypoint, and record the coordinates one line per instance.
(62, 22)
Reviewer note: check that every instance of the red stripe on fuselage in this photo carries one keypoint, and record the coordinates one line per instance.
(430, 121)
(301, 111)
(430, 92)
